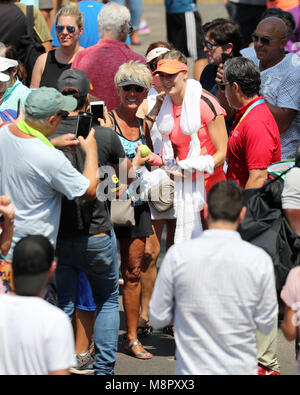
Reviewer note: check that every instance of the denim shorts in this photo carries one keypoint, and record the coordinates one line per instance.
(84, 297)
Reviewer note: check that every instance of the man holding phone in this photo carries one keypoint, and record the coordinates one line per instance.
(35, 174)
(86, 240)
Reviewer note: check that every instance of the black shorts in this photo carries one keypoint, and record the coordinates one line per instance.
(143, 224)
(185, 32)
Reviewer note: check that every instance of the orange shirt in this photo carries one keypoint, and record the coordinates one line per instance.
(209, 108)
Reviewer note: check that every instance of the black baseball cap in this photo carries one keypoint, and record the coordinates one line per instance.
(74, 79)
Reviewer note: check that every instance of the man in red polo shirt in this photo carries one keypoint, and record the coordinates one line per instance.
(254, 141)
(101, 61)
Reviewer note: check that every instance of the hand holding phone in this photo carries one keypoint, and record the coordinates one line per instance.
(84, 124)
(97, 109)
(88, 144)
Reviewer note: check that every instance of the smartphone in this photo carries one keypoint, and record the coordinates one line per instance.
(97, 109)
(84, 124)
(225, 56)
(19, 108)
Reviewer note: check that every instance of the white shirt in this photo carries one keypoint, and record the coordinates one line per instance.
(280, 87)
(35, 176)
(218, 289)
(36, 338)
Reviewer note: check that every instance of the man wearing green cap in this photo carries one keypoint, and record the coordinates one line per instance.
(36, 175)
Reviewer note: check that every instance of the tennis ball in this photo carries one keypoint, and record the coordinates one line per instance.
(144, 150)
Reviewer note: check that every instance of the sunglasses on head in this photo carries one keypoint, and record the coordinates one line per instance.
(263, 40)
(137, 88)
(60, 29)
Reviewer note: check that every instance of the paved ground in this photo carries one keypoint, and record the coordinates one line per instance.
(160, 345)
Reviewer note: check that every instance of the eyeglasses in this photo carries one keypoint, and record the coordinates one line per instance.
(61, 28)
(137, 88)
(210, 45)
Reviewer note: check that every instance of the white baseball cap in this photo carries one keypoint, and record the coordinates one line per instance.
(6, 64)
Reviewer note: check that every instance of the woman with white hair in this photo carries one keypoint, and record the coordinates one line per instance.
(133, 80)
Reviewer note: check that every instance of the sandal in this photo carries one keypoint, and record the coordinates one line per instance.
(144, 328)
(141, 354)
(169, 330)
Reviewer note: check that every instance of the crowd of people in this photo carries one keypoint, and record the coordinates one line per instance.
(208, 140)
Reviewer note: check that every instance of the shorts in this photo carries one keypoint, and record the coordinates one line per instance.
(84, 297)
(143, 224)
(45, 4)
(184, 31)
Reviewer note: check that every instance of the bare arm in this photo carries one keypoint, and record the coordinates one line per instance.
(283, 116)
(37, 71)
(63, 372)
(8, 212)
(219, 137)
(289, 329)
(256, 179)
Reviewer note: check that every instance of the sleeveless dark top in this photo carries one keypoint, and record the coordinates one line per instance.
(52, 70)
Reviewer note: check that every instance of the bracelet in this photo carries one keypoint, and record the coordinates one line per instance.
(150, 118)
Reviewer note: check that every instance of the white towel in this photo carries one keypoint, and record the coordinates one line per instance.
(189, 195)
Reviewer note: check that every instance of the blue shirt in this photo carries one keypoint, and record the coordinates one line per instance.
(180, 6)
(13, 94)
(90, 35)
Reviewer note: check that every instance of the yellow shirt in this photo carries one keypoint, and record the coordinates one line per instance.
(40, 24)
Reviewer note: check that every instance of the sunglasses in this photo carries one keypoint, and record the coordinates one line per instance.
(61, 28)
(137, 88)
(210, 45)
(263, 40)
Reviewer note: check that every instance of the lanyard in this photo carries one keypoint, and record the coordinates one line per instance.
(25, 128)
(248, 110)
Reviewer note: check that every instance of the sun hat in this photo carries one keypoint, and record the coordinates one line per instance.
(132, 82)
(170, 66)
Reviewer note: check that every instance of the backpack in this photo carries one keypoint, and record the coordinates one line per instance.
(266, 226)
(32, 44)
